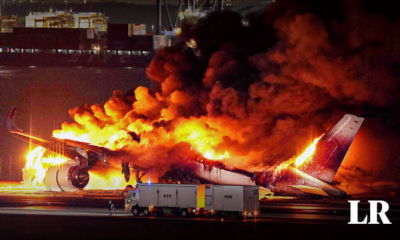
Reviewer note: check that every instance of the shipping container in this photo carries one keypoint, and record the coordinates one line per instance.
(117, 37)
(165, 199)
(23, 37)
(136, 29)
(6, 39)
(230, 200)
(45, 38)
(51, 38)
(141, 43)
(160, 41)
(69, 38)
(185, 199)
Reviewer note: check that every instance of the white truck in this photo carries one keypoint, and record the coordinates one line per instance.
(154, 198)
(186, 199)
(229, 200)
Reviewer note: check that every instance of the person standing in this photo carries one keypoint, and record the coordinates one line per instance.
(110, 208)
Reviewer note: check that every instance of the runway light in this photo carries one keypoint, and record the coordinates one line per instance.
(178, 30)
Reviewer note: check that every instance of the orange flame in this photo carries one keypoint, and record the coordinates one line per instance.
(193, 132)
(37, 165)
(178, 31)
(112, 180)
(307, 153)
(192, 43)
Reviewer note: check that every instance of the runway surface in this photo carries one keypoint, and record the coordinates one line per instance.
(65, 216)
(93, 223)
(321, 210)
(96, 212)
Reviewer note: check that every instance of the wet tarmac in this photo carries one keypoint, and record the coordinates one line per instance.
(81, 223)
(75, 217)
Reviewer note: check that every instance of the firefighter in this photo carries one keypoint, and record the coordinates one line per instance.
(110, 208)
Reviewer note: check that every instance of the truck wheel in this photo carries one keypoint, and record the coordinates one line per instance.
(184, 213)
(209, 215)
(146, 212)
(135, 212)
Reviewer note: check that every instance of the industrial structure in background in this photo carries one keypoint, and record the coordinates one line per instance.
(77, 39)
(63, 19)
(87, 39)
(7, 23)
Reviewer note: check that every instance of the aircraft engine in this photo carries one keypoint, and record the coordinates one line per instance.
(67, 177)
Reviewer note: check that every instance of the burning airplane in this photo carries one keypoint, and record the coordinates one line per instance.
(310, 174)
(238, 106)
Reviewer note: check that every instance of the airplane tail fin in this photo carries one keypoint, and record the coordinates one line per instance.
(332, 148)
(9, 121)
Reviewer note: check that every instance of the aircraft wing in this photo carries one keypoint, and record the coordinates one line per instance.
(71, 149)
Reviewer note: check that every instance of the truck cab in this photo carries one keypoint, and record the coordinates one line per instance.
(131, 200)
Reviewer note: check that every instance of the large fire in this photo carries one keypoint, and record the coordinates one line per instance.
(297, 161)
(247, 100)
(37, 165)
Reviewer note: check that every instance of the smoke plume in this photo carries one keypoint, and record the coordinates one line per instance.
(254, 96)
